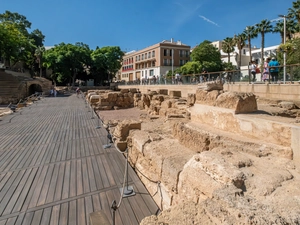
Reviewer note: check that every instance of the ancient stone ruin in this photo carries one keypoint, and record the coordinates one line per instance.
(210, 158)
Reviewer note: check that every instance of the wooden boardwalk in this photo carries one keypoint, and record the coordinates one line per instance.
(54, 170)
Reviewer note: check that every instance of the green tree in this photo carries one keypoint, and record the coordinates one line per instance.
(263, 27)
(250, 33)
(240, 41)
(291, 28)
(208, 56)
(228, 46)
(191, 68)
(67, 60)
(106, 62)
(294, 12)
(39, 57)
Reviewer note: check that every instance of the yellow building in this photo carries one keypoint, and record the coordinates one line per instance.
(155, 60)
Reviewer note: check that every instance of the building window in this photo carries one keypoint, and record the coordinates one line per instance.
(151, 72)
(181, 53)
(145, 55)
(244, 51)
(153, 63)
(186, 53)
(139, 57)
(165, 52)
(165, 62)
(171, 51)
(181, 62)
(142, 56)
(149, 54)
(153, 53)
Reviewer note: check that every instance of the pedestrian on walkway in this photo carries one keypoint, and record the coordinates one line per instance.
(274, 69)
(253, 71)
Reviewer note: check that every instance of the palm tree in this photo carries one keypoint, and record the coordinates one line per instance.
(39, 56)
(228, 46)
(240, 42)
(250, 33)
(291, 28)
(294, 12)
(263, 27)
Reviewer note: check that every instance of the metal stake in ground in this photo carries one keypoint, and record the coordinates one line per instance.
(128, 190)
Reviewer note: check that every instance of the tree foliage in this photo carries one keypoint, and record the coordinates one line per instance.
(67, 60)
(106, 62)
(228, 46)
(208, 56)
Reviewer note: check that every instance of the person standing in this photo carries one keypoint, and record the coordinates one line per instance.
(274, 69)
(253, 71)
(266, 75)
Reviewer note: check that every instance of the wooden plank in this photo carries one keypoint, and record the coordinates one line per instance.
(97, 175)
(2, 222)
(11, 221)
(125, 211)
(59, 183)
(51, 191)
(46, 216)
(37, 217)
(105, 205)
(20, 219)
(38, 187)
(73, 213)
(92, 177)
(28, 218)
(96, 203)
(25, 191)
(107, 167)
(13, 198)
(88, 207)
(55, 215)
(81, 212)
(72, 191)
(85, 176)
(102, 172)
(111, 198)
(66, 185)
(63, 217)
(79, 178)
(45, 187)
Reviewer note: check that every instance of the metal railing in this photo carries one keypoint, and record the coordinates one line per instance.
(226, 76)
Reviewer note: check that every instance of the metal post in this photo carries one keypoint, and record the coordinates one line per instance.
(284, 53)
(128, 190)
(114, 208)
(173, 67)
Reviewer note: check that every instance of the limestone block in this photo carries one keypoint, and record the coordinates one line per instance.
(146, 99)
(139, 139)
(137, 96)
(133, 90)
(205, 97)
(287, 105)
(191, 99)
(173, 93)
(159, 98)
(122, 130)
(239, 102)
(215, 165)
(200, 183)
(141, 105)
(166, 104)
(90, 94)
(162, 91)
(149, 92)
(214, 86)
(124, 91)
(112, 96)
(94, 98)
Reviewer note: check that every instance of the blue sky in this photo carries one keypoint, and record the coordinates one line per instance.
(136, 24)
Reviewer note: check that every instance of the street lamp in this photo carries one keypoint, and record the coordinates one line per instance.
(172, 65)
(284, 40)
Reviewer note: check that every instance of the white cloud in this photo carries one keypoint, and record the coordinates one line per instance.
(208, 20)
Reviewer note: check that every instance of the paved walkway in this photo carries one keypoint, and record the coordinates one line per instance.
(54, 170)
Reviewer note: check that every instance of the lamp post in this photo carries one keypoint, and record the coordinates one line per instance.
(284, 52)
(172, 65)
